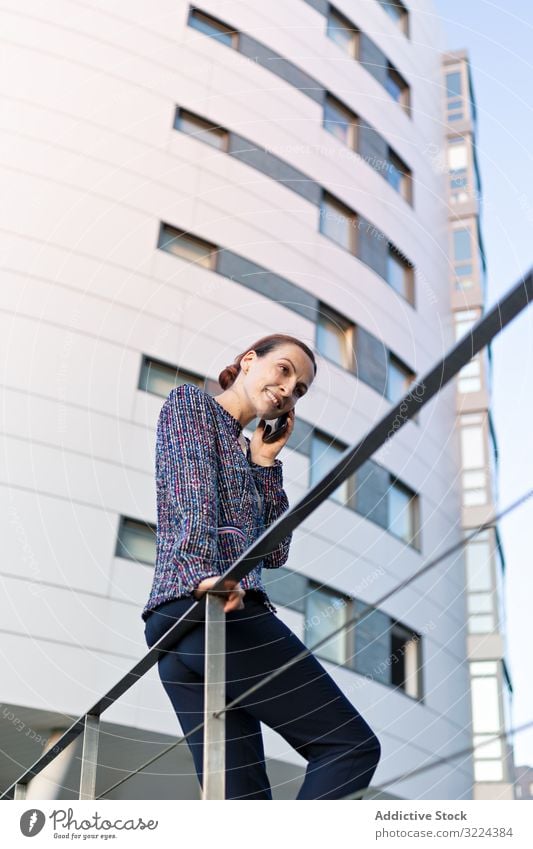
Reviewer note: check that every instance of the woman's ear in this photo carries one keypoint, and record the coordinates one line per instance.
(245, 363)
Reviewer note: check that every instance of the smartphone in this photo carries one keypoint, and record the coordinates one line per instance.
(272, 434)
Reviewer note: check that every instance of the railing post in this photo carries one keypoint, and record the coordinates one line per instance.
(214, 762)
(20, 791)
(89, 757)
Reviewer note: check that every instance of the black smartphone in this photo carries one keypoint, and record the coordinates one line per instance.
(272, 434)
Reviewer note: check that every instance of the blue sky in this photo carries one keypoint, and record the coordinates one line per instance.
(498, 37)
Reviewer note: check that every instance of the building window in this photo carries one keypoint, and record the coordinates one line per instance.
(186, 246)
(472, 443)
(383, 650)
(398, 13)
(136, 541)
(473, 460)
(399, 176)
(340, 122)
(343, 33)
(325, 453)
(469, 378)
(213, 28)
(481, 668)
(453, 85)
(478, 563)
(462, 256)
(335, 338)
(458, 186)
(479, 603)
(400, 274)
(454, 96)
(488, 770)
(286, 587)
(399, 378)
(397, 87)
(375, 646)
(480, 585)
(405, 660)
(193, 125)
(386, 651)
(326, 611)
(161, 378)
(485, 702)
(462, 245)
(457, 154)
(403, 512)
(463, 283)
(464, 320)
(484, 749)
(338, 222)
(381, 498)
(476, 483)
(463, 270)
(475, 492)
(486, 721)
(480, 613)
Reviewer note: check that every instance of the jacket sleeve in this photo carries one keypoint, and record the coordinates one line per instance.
(269, 481)
(188, 464)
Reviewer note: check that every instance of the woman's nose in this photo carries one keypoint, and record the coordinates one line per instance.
(286, 392)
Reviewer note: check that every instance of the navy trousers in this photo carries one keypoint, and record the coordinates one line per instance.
(303, 704)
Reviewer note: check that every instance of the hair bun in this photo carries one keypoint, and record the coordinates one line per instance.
(228, 375)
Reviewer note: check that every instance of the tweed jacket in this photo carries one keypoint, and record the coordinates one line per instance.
(212, 500)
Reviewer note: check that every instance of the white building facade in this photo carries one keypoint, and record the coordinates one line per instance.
(182, 181)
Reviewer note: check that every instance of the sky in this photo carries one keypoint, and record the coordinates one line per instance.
(498, 37)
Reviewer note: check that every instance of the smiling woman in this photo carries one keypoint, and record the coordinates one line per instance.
(285, 376)
(214, 500)
(277, 350)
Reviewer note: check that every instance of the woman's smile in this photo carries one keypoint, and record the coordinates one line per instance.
(272, 398)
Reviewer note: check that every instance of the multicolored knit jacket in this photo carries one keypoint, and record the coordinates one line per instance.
(212, 500)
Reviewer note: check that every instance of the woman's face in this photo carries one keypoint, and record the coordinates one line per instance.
(275, 382)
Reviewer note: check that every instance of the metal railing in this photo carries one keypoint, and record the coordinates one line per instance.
(209, 608)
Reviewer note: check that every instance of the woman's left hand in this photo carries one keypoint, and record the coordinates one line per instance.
(264, 453)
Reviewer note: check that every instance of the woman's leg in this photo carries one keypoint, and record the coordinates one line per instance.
(304, 705)
(246, 776)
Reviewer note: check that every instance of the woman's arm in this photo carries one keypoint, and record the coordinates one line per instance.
(187, 468)
(269, 480)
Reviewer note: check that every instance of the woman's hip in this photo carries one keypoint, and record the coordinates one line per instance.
(162, 617)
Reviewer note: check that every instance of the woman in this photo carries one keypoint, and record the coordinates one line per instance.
(217, 491)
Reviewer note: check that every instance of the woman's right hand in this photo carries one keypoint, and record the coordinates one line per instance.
(231, 590)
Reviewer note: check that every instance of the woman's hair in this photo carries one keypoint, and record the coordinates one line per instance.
(262, 347)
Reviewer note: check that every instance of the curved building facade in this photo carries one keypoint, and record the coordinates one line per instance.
(181, 181)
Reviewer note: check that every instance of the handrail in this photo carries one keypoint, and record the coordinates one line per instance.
(481, 333)
(354, 620)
